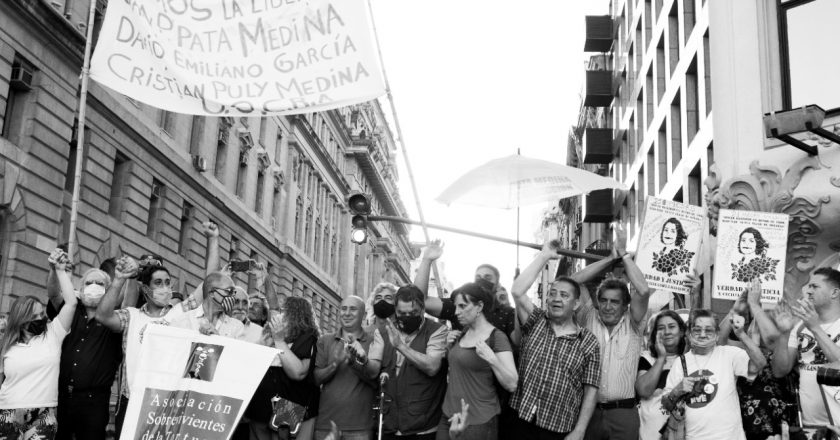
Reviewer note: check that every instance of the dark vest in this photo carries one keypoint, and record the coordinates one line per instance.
(413, 402)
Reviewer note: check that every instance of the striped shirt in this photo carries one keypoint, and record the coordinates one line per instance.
(620, 351)
(552, 372)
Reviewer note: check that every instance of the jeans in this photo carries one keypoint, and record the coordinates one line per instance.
(614, 424)
(83, 415)
(484, 431)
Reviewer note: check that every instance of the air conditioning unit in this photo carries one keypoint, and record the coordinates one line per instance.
(199, 163)
(21, 78)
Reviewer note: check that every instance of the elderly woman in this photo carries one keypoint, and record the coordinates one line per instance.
(707, 388)
(30, 352)
(476, 357)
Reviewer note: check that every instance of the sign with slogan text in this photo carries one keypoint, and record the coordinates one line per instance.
(191, 386)
(239, 57)
(750, 245)
(669, 243)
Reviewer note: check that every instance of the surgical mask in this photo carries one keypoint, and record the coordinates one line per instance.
(161, 296)
(383, 309)
(409, 324)
(226, 302)
(37, 327)
(91, 294)
(696, 343)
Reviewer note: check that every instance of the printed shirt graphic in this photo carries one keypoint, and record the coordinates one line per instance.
(714, 413)
(811, 356)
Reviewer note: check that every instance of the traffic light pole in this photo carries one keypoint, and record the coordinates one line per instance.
(566, 252)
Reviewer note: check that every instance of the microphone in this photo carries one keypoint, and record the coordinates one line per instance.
(383, 379)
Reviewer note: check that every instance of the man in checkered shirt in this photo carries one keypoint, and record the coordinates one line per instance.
(560, 362)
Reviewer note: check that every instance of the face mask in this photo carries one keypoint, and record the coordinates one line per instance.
(37, 327)
(226, 302)
(161, 296)
(696, 343)
(383, 309)
(409, 324)
(91, 294)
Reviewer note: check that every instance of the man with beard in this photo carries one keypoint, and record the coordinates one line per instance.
(708, 391)
(155, 286)
(90, 356)
(251, 332)
(560, 362)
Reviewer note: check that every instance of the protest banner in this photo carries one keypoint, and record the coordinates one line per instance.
(750, 245)
(239, 57)
(191, 386)
(669, 243)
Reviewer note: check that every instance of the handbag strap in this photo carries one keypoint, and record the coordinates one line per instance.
(682, 361)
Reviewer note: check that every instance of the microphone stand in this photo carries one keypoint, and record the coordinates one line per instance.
(383, 380)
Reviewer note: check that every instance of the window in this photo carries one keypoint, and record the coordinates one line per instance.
(676, 132)
(707, 73)
(119, 182)
(807, 38)
(692, 104)
(156, 200)
(20, 83)
(650, 172)
(258, 200)
(689, 18)
(196, 132)
(241, 177)
(263, 130)
(673, 38)
(662, 162)
(298, 215)
(660, 69)
(166, 121)
(233, 252)
(222, 140)
(185, 233)
(695, 189)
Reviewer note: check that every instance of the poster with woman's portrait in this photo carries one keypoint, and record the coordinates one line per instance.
(669, 243)
(750, 245)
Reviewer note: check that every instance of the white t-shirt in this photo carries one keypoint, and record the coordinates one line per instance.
(812, 356)
(652, 416)
(137, 324)
(31, 371)
(715, 414)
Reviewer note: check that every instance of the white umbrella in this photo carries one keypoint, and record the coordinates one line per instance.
(513, 181)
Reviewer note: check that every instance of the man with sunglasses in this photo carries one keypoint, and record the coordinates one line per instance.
(212, 318)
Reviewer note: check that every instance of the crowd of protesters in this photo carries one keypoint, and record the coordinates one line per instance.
(591, 362)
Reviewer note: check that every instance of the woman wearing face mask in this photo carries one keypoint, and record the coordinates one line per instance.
(481, 354)
(380, 305)
(29, 361)
(708, 392)
(666, 343)
(293, 331)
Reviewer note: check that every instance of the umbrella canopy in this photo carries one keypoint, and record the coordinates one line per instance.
(516, 180)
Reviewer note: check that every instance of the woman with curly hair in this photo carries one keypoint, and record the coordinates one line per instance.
(673, 259)
(294, 332)
(754, 263)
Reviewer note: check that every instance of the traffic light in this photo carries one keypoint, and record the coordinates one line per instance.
(359, 209)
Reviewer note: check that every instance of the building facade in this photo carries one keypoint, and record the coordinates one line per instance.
(647, 119)
(277, 186)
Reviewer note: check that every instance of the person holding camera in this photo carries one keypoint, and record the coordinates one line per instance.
(703, 380)
(30, 353)
(347, 389)
(811, 343)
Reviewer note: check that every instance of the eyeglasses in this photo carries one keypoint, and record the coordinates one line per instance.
(225, 292)
(697, 331)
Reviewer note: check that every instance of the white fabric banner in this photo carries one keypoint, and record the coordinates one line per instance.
(750, 244)
(239, 57)
(192, 387)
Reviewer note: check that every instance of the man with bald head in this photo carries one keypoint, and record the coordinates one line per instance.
(347, 390)
(212, 317)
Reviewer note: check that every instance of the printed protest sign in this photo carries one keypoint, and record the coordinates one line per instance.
(239, 57)
(750, 245)
(192, 387)
(669, 243)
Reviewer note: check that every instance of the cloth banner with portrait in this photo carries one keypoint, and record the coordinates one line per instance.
(192, 386)
(239, 57)
(750, 245)
(669, 243)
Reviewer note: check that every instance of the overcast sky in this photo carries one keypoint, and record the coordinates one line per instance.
(473, 81)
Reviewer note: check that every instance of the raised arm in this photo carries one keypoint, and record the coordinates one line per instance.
(65, 315)
(264, 276)
(53, 288)
(211, 231)
(757, 359)
(766, 326)
(786, 351)
(434, 306)
(639, 299)
(105, 314)
(523, 282)
(695, 293)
